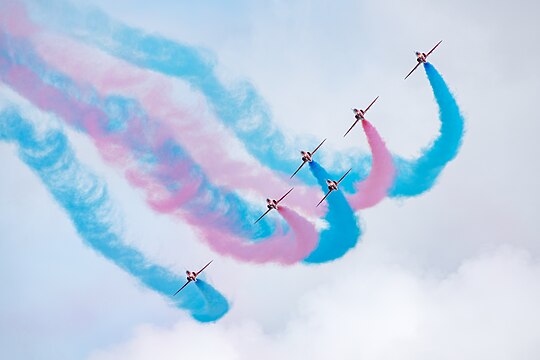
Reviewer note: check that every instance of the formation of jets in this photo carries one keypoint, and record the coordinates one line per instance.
(307, 156)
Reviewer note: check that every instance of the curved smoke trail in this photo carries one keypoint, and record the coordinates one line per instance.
(374, 188)
(419, 175)
(343, 231)
(284, 247)
(215, 304)
(303, 229)
(240, 108)
(204, 137)
(86, 200)
(160, 167)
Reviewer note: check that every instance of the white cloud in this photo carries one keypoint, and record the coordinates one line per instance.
(486, 309)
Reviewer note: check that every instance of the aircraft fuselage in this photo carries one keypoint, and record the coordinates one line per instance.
(271, 204)
(359, 114)
(191, 275)
(306, 156)
(332, 185)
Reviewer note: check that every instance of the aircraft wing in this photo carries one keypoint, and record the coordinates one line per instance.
(412, 71)
(350, 128)
(430, 51)
(297, 170)
(343, 177)
(182, 287)
(283, 197)
(205, 266)
(267, 211)
(373, 102)
(317, 148)
(325, 196)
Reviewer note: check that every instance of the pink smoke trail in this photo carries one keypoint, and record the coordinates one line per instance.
(282, 248)
(303, 229)
(375, 187)
(158, 197)
(14, 18)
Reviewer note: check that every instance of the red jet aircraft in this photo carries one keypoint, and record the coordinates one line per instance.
(307, 157)
(272, 204)
(422, 58)
(359, 115)
(333, 185)
(192, 276)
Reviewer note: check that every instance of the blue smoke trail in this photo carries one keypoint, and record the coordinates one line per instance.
(215, 304)
(343, 232)
(86, 200)
(228, 210)
(241, 108)
(419, 175)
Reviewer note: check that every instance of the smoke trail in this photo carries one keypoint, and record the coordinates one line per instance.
(374, 188)
(162, 169)
(303, 229)
(150, 144)
(216, 305)
(86, 200)
(419, 175)
(343, 231)
(203, 136)
(241, 108)
(284, 247)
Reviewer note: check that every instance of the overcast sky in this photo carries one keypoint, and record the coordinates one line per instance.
(453, 273)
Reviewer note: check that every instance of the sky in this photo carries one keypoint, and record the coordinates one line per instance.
(450, 273)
